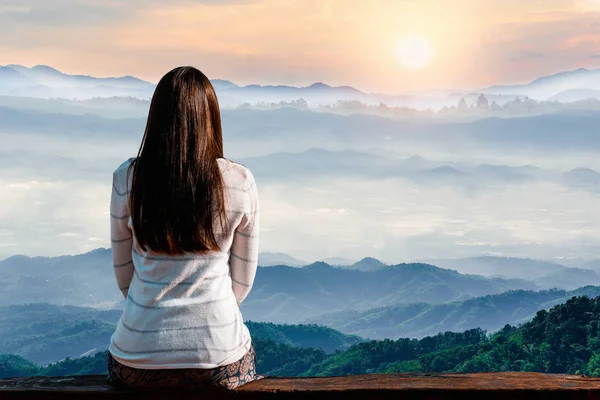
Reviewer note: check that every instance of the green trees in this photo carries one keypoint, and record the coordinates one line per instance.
(12, 366)
(278, 359)
(90, 365)
(310, 335)
(565, 339)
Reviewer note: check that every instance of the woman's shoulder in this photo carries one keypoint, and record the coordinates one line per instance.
(121, 173)
(235, 173)
(124, 166)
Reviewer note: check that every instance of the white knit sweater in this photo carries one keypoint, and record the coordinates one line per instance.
(183, 311)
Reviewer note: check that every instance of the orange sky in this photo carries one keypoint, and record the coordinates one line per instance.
(340, 42)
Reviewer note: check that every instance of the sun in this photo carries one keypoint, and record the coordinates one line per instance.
(415, 52)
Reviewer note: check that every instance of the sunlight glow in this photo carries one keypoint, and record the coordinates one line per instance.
(415, 52)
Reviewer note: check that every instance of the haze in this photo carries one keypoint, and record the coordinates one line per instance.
(485, 142)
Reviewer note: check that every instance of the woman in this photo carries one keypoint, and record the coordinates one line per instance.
(184, 234)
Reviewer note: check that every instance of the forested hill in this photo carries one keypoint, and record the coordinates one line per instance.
(418, 320)
(309, 335)
(46, 333)
(565, 339)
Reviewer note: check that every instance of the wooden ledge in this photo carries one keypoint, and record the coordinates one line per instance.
(511, 385)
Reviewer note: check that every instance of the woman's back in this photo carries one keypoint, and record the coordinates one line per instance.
(182, 311)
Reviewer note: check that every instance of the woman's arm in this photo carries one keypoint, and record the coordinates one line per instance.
(121, 238)
(243, 257)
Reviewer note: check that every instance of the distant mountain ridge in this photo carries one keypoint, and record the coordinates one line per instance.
(500, 266)
(546, 274)
(289, 295)
(43, 74)
(284, 165)
(280, 294)
(272, 259)
(47, 82)
(285, 294)
(561, 85)
(366, 264)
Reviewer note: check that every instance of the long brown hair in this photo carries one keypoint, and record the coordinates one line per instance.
(177, 187)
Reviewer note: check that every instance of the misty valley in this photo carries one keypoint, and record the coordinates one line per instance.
(456, 232)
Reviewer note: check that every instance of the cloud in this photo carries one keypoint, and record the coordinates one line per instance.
(527, 55)
(62, 13)
(46, 15)
(518, 52)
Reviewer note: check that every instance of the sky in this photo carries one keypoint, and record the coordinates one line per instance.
(468, 43)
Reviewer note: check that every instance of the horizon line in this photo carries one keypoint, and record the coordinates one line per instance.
(471, 90)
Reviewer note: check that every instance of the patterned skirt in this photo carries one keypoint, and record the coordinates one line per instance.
(229, 376)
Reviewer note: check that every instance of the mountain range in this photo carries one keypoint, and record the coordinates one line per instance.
(47, 333)
(286, 294)
(47, 82)
(321, 163)
(280, 293)
(282, 259)
(521, 268)
(272, 259)
(563, 86)
(418, 320)
(292, 130)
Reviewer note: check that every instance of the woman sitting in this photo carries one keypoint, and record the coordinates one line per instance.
(184, 234)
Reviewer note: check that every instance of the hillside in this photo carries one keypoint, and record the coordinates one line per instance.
(418, 320)
(69, 331)
(277, 359)
(556, 341)
(290, 295)
(280, 294)
(561, 340)
(83, 279)
(304, 336)
(45, 333)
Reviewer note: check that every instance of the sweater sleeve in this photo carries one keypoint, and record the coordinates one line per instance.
(243, 256)
(121, 238)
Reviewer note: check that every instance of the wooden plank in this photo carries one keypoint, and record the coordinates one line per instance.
(399, 382)
(487, 386)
